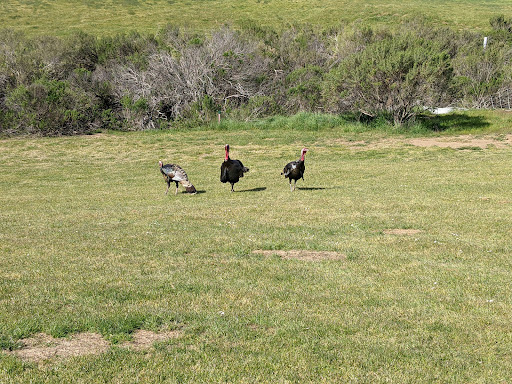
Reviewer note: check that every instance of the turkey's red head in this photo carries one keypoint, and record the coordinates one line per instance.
(160, 164)
(302, 153)
(226, 147)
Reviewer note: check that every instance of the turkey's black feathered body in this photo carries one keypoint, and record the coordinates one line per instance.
(294, 170)
(173, 172)
(231, 170)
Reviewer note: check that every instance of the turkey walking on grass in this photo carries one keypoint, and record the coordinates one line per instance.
(173, 172)
(231, 170)
(294, 170)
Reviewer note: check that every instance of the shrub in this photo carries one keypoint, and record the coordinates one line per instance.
(304, 89)
(51, 107)
(393, 77)
(480, 73)
(501, 28)
(81, 83)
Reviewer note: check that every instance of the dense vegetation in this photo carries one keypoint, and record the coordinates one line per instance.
(82, 83)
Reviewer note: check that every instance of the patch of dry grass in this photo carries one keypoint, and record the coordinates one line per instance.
(302, 254)
(399, 231)
(41, 346)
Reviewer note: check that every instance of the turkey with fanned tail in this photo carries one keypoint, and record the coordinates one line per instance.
(173, 172)
(294, 170)
(231, 170)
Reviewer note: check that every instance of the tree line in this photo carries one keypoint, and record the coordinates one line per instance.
(82, 83)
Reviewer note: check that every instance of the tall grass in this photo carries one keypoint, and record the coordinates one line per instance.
(463, 122)
(89, 242)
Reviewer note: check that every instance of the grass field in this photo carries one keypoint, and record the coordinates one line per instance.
(109, 17)
(420, 290)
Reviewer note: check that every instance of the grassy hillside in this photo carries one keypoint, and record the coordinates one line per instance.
(419, 291)
(110, 17)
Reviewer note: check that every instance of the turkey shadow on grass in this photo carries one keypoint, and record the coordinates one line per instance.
(259, 189)
(311, 188)
(197, 192)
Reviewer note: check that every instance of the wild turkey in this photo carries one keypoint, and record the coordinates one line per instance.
(173, 172)
(231, 170)
(294, 170)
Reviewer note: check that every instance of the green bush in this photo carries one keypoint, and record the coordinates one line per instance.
(394, 77)
(501, 29)
(304, 89)
(51, 107)
(480, 73)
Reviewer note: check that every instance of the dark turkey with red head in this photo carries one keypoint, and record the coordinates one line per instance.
(231, 170)
(173, 172)
(294, 170)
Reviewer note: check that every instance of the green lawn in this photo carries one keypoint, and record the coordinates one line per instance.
(110, 17)
(89, 242)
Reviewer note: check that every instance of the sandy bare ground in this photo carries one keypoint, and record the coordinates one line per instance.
(454, 142)
(464, 141)
(44, 347)
(303, 255)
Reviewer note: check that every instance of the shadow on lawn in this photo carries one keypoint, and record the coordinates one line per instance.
(454, 122)
(312, 188)
(259, 189)
(197, 192)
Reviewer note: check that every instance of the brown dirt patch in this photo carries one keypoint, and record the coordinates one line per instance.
(368, 145)
(399, 231)
(44, 347)
(253, 327)
(303, 255)
(455, 142)
(261, 329)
